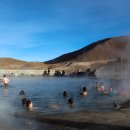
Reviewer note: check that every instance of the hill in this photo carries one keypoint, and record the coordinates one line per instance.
(106, 49)
(10, 63)
(92, 56)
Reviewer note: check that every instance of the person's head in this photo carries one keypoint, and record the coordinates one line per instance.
(70, 101)
(22, 92)
(29, 104)
(65, 94)
(4, 75)
(84, 89)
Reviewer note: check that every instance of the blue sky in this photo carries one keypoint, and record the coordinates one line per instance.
(40, 30)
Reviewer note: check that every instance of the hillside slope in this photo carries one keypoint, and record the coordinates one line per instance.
(106, 49)
(10, 63)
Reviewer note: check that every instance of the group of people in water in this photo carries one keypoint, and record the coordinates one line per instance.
(102, 90)
(99, 88)
(25, 101)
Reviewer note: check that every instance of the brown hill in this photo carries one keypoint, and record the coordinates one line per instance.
(106, 49)
(10, 63)
(93, 55)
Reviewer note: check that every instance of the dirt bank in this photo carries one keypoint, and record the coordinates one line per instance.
(117, 120)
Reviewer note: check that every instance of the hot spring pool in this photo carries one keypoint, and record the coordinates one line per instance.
(46, 94)
(47, 98)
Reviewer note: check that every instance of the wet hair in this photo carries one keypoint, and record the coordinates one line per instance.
(84, 89)
(70, 101)
(65, 94)
(24, 100)
(28, 102)
(22, 92)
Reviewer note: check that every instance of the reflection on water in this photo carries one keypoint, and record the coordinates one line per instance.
(46, 94)
(5, 91)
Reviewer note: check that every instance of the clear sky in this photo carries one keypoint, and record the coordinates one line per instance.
(40, 30)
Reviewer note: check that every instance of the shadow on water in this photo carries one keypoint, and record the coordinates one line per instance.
(62, 124)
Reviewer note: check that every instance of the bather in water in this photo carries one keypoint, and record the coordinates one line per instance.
(29, 104)
(70, 101)
(84, 91)
(65, 94)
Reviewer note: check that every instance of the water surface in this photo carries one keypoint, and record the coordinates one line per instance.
(47, 98)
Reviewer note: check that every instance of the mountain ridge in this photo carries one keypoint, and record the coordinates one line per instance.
(95, 51)
(106, 49)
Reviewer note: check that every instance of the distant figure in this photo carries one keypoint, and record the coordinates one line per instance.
(48, 71)
(70, 101)
(65, 94)
(84, 91)
(29, 104)
(105, 92)
(5, 80)
(63, 73)
(102, 88)
(22, 92)
(110, 90)
(97, 87)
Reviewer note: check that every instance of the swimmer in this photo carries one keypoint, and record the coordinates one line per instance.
(65, 94)
(84, 91)
(70, 101)
(105, 92)
(102, 88)
(110, 89)
(24, 100)
(97, 87)
(29, 104)
(22, 92)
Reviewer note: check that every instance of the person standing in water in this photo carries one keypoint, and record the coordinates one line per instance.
(5, 80)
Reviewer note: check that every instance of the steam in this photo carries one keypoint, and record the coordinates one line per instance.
(120, 68)
(8, 120)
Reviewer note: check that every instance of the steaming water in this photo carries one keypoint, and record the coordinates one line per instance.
(47, 98)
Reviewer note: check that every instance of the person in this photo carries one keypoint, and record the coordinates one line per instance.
(22, 92)
(97, 87)
(24, 100)
(84, 91)
(70, 101)
(65, 94)
(105, 92)
(110, 89)
(5, 80)
(102, 88)
(29, 104)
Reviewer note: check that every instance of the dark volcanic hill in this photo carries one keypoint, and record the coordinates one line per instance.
(106, 49)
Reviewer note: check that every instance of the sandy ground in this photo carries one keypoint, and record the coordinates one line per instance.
(117, 120)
